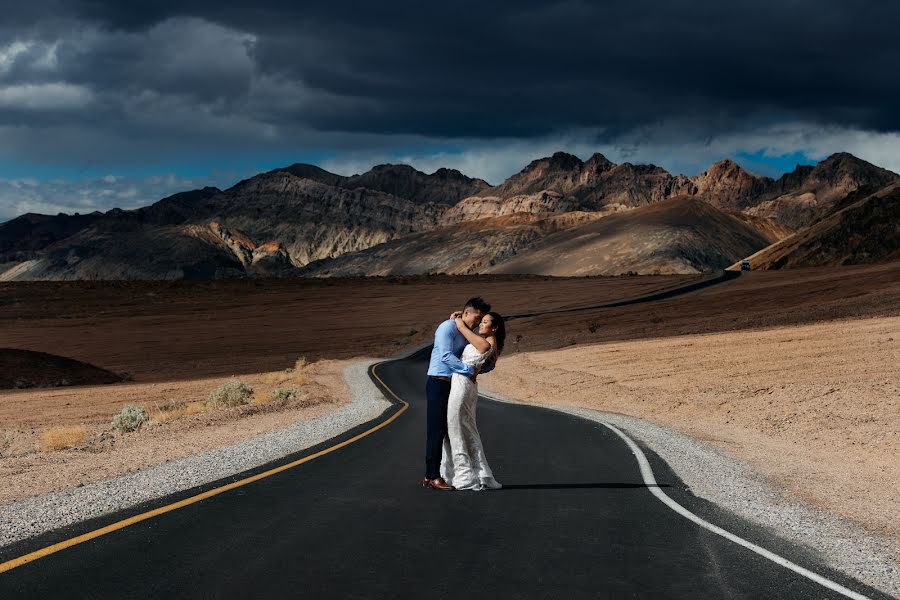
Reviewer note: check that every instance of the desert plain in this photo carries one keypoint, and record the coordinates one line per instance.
(794, 372)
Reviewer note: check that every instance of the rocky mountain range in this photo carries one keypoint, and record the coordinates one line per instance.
(302, 220)
(859, 230)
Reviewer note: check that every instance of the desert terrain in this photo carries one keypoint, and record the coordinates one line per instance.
(804, 360)
(176, 342)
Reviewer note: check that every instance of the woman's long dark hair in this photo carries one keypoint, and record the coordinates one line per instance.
(500, 323)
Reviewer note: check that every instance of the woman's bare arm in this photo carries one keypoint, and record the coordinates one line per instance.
(481, 344)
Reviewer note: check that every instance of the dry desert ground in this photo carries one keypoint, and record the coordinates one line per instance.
(179, 341)
(793, 371)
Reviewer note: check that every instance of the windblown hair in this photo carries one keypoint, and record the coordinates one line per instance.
(478, 304)
(500, 323)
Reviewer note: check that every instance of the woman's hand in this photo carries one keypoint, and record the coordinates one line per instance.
(456, 314)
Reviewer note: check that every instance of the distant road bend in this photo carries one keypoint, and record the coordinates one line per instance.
(579, 517)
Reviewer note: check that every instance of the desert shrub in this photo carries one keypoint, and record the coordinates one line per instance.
(63, 436)
(284, 395)
(130, 418)
(300, 363)
(230, 393)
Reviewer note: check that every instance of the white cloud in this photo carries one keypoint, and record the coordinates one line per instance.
(45, 96)
(10, 53)
(671, 145)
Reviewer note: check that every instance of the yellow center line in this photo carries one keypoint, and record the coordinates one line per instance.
(54, 548)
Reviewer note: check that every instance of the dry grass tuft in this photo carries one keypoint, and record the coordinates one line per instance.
(164, 416)
(63, 436)
(299, 379)
(195, 408)
(275, 378)
(168, 411)
(260, 398)
(300, 363)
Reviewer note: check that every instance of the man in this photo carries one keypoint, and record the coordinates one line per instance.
(445, 361)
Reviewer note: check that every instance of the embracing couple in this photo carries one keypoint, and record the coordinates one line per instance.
(466, 344)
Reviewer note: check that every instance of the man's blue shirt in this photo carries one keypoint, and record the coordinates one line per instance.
(448, 347)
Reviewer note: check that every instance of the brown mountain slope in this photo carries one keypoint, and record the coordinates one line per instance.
(21, 237)
(300, 219)
(679, 235)
(480, 207)
(801, 197)
(726, 185)
(444, 186)
(463, 248)
(559, 173)
(867, 231)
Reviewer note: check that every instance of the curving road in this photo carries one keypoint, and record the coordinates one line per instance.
(575, 520)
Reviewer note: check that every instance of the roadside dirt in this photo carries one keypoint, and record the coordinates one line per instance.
(26, 472)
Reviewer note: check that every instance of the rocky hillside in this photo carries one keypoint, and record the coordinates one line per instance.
(726, 185)
(481, 207)
(462, 248)
(22, 237)
(444, 186)
(808, 193)
(678, 235)
(865, 231)
(795, 200)
(265, 226)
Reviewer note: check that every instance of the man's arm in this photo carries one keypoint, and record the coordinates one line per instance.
(443, 341)
(489, 364)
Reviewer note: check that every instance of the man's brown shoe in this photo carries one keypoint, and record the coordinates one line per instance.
(437, 484)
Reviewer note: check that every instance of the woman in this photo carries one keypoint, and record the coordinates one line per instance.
(463, 464)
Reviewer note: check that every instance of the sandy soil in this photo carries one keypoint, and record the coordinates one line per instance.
(27, 472)
(815, 408)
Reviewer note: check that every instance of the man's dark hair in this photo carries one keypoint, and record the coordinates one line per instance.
(478, 304)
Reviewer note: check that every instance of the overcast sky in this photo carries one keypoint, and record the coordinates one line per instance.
(118, 104)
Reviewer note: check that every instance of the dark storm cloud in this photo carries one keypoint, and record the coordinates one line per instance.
(527, 68)
(116, 80)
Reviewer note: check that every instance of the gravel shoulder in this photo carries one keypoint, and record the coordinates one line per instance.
(39, 514)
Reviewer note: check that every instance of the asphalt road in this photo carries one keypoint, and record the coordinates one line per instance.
(574, 520)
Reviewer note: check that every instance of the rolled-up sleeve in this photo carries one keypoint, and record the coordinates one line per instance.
(443, 341)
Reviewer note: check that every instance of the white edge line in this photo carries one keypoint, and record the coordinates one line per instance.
(650, 481)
